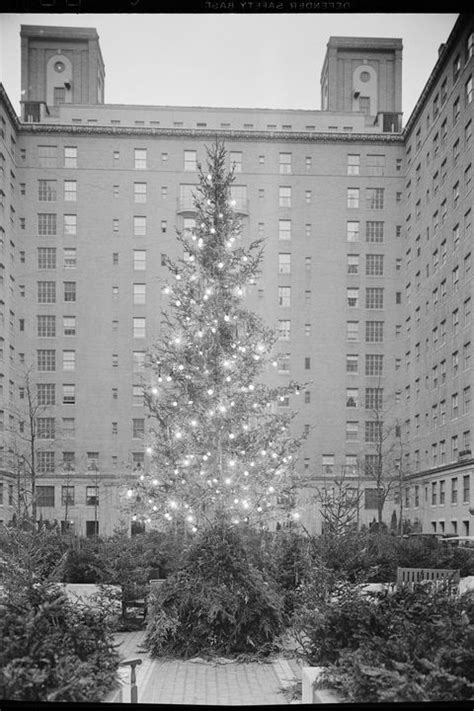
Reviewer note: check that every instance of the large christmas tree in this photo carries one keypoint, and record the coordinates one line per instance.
(219, 442)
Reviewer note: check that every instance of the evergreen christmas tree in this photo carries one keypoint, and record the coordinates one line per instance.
(219, 443)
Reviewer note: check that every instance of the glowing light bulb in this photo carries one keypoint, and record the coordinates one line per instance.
(232, 435)
(154, 391)
(129, 493)
(246, 473)
(251, 387)
(155, 482)
(142, 477)
(178, 435)
(173, 504)
(210, 391)
(149, 450)
(271, 489)
(264, 451)
(228, 481)
(166, 290)
(178, 277)
(231, 462)
(193, 423)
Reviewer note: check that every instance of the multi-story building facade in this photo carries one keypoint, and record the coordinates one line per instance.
(92, 194)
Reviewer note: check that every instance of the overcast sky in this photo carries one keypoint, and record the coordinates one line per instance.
(254, 60)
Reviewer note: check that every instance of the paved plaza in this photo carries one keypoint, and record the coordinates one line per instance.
(210, 683)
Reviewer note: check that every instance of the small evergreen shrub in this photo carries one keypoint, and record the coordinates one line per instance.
(52, 649)
(392, 647)
(218, 603)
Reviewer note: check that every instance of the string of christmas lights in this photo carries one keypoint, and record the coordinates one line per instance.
(218, 441)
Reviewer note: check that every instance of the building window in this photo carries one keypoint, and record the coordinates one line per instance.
(352, 363)
(285, 163)
(47, 156)
(140, 158)
(352, 263)
(139, 259)
(69, 291)
(92, 495)
(46, 393)
(45, 494)
(353, 197)
(374, 198)
(352, 397)
(284, 196)
(466, 400)
(69, 325)
(353, 231)
(284, 263)
(69, 258)
(468, 91)
(139, 225)
(190, 161)
(373, 398)
(352, 330)
(139, 192)
(139, 293)
(137, 395)
(47, 190)
(138, 428)
(353, 297)
(70, 190)
(375, 164)
(374, 231)
(69, 394)
(373, 364)
(46, 258)
(69, 360)
(328, 463)
(374, 331)
(284, 296)
(307, 363)
(46, 292)
(46, 326)
(70, 224)
(373, 431)
(374, 264)
(45, 427)
(374, 298)
(70, 157)
(68, 492)
(353, 164)
(139, 327)
(47, 224)
(284, 328)
(138, 361)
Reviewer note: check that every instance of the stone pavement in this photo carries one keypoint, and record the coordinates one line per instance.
(198, 682)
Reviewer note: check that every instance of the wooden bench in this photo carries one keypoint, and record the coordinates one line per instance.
(440, 576)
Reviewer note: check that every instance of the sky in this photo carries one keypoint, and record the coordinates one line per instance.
(226, 60)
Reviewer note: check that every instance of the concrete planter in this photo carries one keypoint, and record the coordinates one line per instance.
(310, 695)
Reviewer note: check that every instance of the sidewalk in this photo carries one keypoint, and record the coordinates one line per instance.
(196, 681)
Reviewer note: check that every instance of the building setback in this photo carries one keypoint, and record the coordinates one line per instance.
(366, 275)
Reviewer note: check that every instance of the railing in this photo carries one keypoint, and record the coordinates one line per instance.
(413, 576)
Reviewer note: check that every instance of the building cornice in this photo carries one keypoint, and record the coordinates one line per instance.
(428, 473)
(297, 136)
(9, 108)
(459, 26)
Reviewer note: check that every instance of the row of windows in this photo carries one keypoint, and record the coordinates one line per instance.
(48, 157)
(46, 427)
(438, 491)
(46, 495)
(46, 394)
(439, 410)
(46, 360)
(46, 293)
